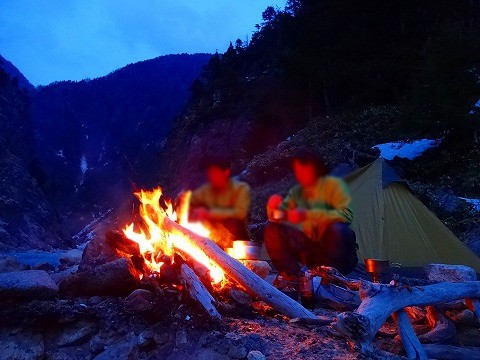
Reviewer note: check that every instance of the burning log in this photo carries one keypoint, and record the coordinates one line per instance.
(379, 301)
(198, 291)
(238, 272)
(442, 327)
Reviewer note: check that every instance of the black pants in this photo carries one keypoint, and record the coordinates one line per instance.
(288, 246)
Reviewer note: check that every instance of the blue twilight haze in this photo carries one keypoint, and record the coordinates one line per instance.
(51, 40)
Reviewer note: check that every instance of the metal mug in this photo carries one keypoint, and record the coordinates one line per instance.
(246, 250)
(278, 215)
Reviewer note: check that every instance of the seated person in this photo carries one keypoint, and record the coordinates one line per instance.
(222, 204)
(310, 226)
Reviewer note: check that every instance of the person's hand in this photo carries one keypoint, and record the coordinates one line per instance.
(296, 216)
(274, 201)
(200, 214)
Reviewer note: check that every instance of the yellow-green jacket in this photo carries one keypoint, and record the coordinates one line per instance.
(233, 203)
(326, 202)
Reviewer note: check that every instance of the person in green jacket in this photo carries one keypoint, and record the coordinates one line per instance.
(222, 204)
(310, 225)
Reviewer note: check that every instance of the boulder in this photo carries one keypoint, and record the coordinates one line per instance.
(259, 267)
(27, 284)
(76, 335)
(116, 278)
(256, 355)
(10, 263)
(140, 300)
(97, 252)
(237, 351)
(71, 257)
(21, 345)
(43, 266)
(451, 273)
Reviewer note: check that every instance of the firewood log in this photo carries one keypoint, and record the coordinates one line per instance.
(448, 352)
(255, 285)
(379, 301)
(411, 344)
(198, 291)
(442, 327)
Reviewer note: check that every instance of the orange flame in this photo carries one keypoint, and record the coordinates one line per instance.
(156, 240)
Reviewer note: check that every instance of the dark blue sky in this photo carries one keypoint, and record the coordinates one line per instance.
(50, 40)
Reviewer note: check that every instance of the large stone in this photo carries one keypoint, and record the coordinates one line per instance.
(451, 273)
(10, 263)
(140, 300)
(71, 257)
(259, 267)
(97, 252)
(27, 284)
(76, 335)
(118, 277)
(21, 346)
(256, 355)
(237, 351)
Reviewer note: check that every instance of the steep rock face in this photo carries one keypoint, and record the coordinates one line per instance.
(26, 218)
(99, 138)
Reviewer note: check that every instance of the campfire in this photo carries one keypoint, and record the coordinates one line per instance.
(164, 235)
(157, 241)
(164, 252)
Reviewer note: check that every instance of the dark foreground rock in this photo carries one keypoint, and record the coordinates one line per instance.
(118, 277)
(27, 284)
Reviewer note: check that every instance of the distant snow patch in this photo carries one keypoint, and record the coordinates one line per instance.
(83, 164)
(407, 150)
(59, 153)
(474, 202)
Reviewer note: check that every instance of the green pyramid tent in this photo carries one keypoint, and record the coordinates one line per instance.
(392, 224)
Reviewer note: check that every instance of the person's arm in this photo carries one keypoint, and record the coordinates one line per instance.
(240, 208)
(339, 200)
(284, 204)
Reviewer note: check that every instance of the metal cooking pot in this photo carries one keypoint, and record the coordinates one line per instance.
(379, 266)
(246, 250)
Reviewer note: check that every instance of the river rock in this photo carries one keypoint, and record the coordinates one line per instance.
(27, 284)
(115, 278)
(71, 257)
(76, 335)
(256, 355)
(237, 351)
(451, 273)
(10, 263)
(97, 252)
(21, 345)
(140, 300)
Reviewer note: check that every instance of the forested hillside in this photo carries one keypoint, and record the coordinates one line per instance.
(341, 76)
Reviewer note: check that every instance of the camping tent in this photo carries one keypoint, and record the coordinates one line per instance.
(391, 223)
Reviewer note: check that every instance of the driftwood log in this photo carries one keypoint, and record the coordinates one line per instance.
(448, 352)
(198, 291)
(411, 344)
(379, 301)
(254, 284)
